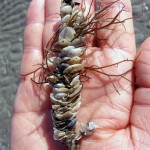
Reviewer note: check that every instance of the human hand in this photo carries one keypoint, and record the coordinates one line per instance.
(123, 119)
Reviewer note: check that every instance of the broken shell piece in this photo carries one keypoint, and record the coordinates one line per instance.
(73, 68)
(88, 129)
(66, 10)
(67, 33)
(58, 46)
(90, 126)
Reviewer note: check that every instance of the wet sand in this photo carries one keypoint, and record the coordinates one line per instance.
(12, 21)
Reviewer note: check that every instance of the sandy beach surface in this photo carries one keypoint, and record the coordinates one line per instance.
(12, 22)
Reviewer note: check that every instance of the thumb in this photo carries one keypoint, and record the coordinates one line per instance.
(140, 119)
(142, 66)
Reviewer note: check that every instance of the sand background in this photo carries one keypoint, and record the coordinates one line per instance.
(12, 22)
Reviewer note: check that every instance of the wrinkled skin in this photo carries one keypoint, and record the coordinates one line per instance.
(123, 119)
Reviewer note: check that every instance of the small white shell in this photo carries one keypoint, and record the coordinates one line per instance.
(58, 46)
(52, 78)
(74, 60)
(75, 87)
(73, 68)
(67, 33)
(79, 16)
(77, 12)
(60, 96)
(76, 92)
(64, 116)
(76, 8)
(55, 107)
(78, 42)
(76, 107)
(55, 101)
(66, 19)
(67, 49)
(66, 10)
(52, 62)
(76, 52)
(59, 85)
(75, 80)
(60, 90)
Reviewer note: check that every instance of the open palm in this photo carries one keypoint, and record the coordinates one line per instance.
(123, 118)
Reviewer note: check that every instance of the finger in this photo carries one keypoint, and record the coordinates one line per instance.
(140, 112)
(33, 36)
(52, 19)
(142, 66)
(122, 35)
